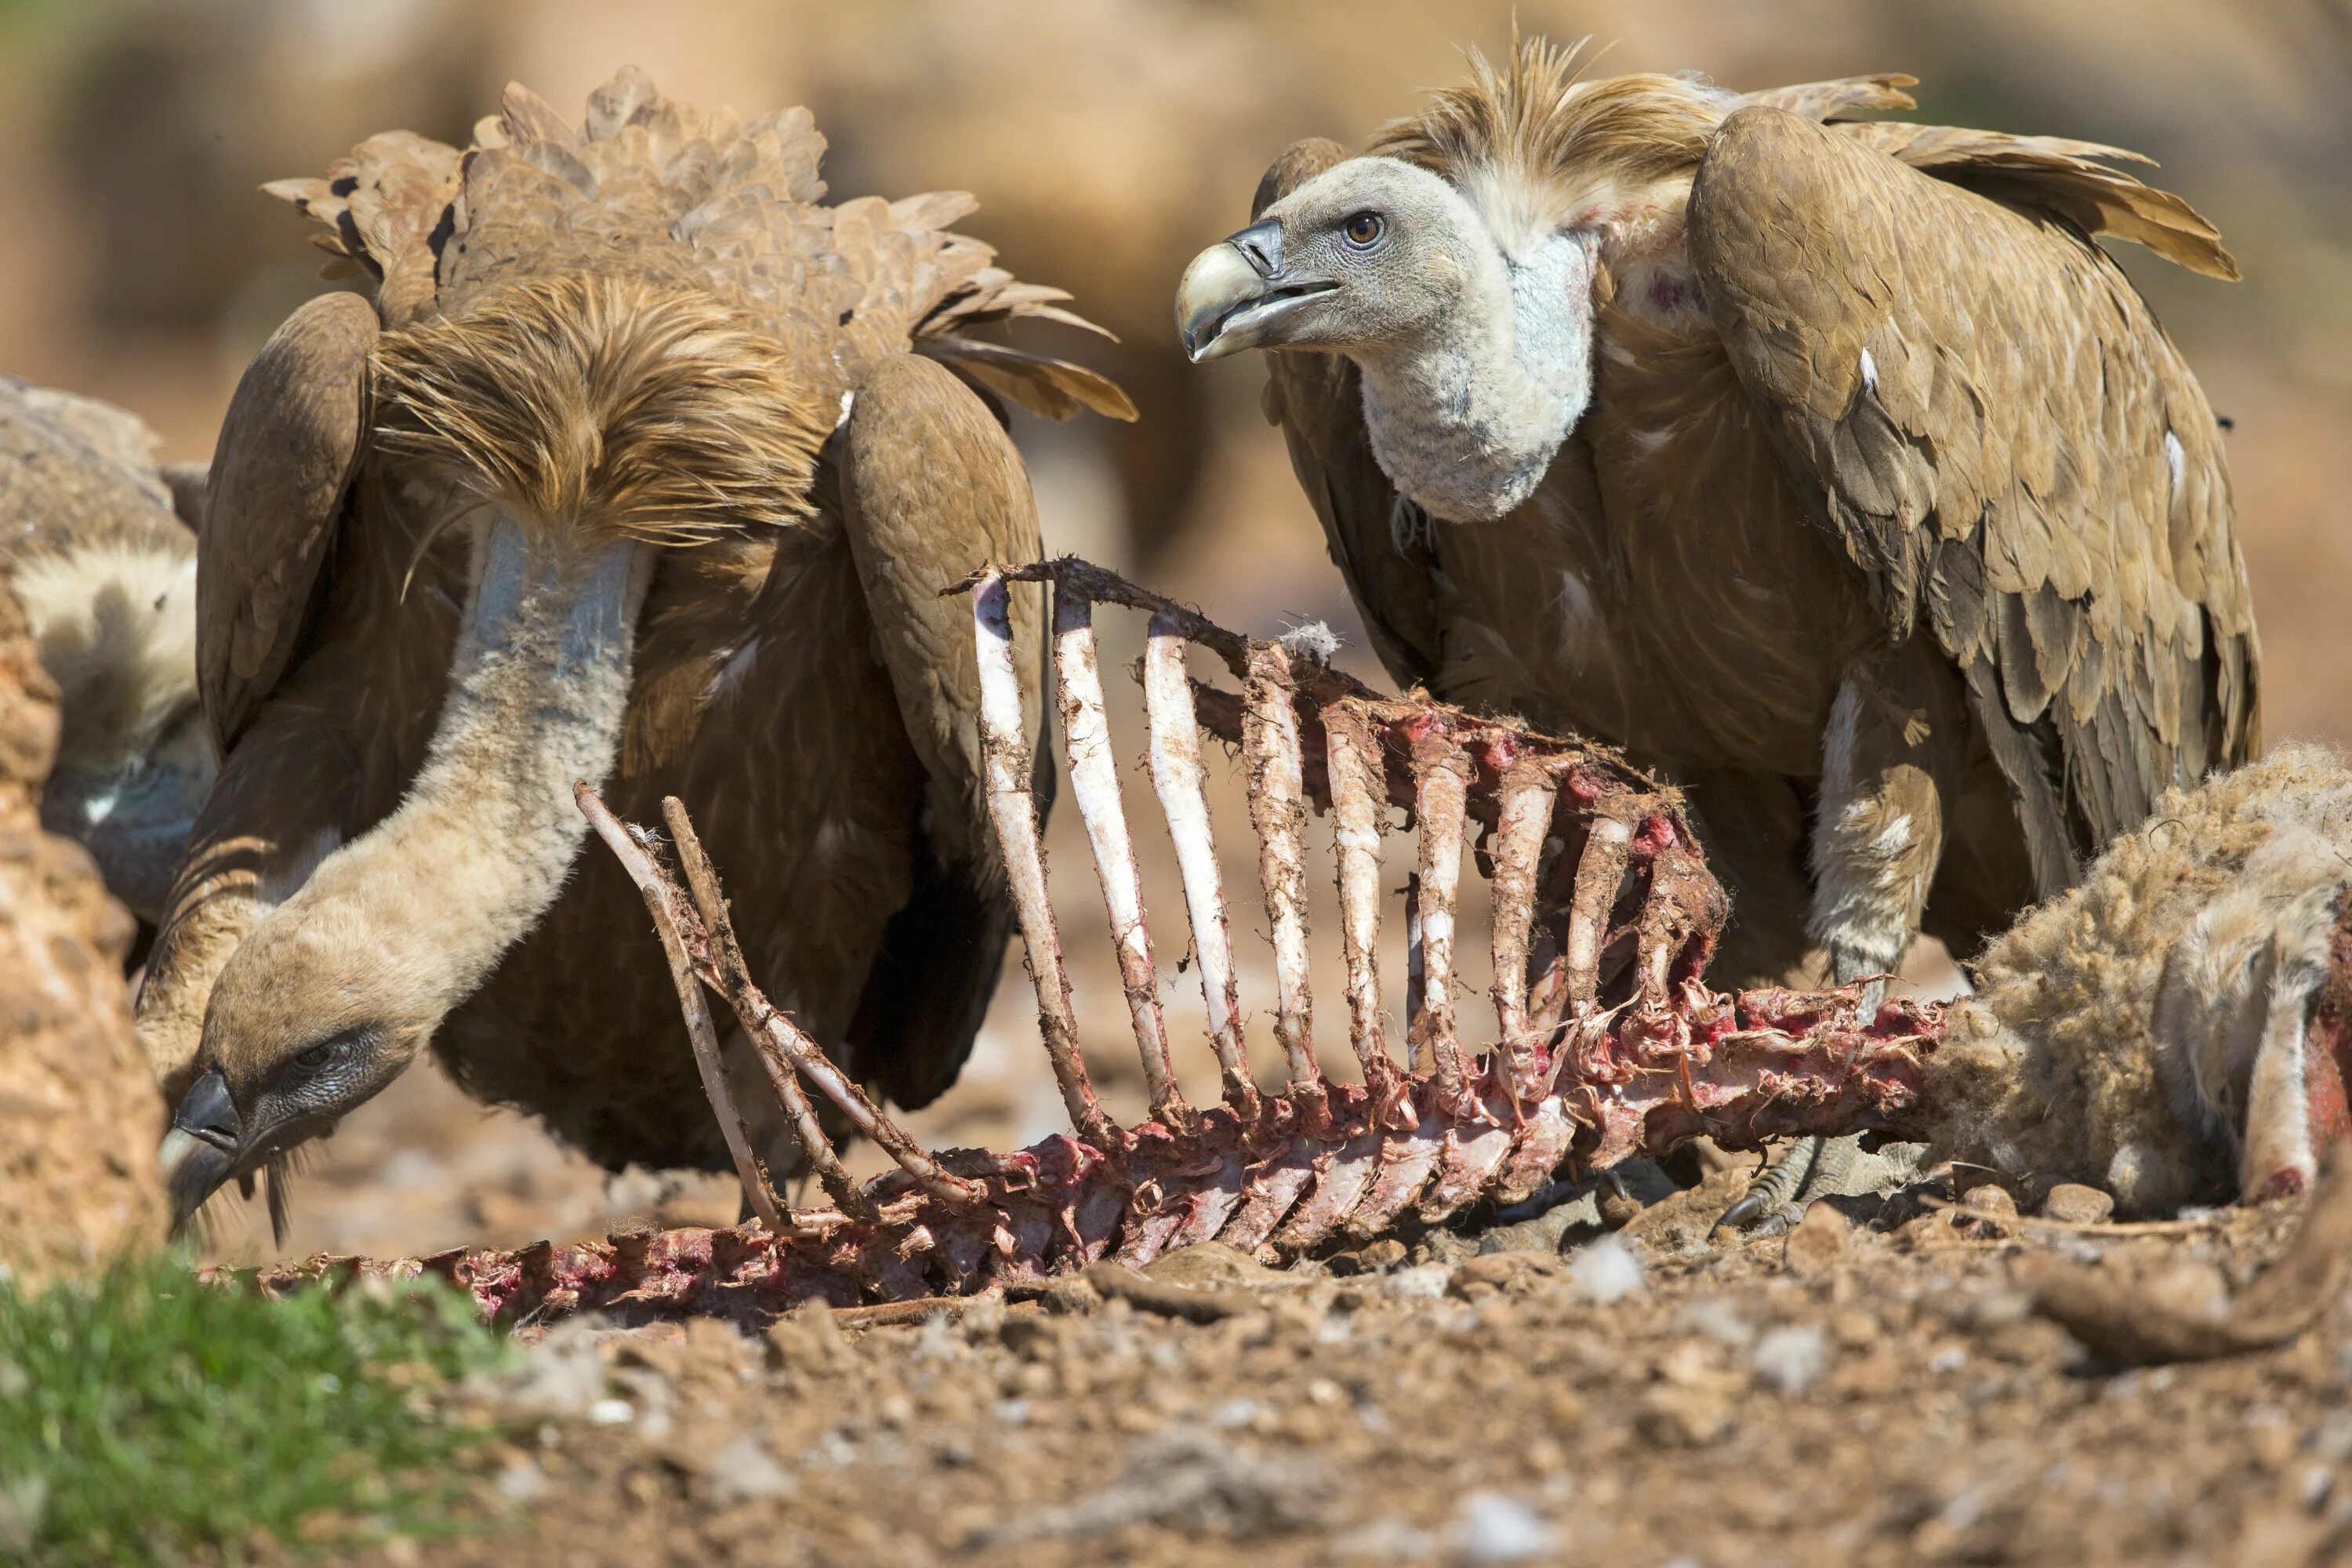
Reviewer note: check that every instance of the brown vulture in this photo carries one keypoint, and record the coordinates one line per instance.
(1830, 466)
(639, 465)
(94, 547)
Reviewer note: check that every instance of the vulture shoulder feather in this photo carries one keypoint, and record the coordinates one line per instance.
(932, 487)
(284, 461)
(1999, 436)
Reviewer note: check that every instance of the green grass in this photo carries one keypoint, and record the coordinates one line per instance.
(144, 1417)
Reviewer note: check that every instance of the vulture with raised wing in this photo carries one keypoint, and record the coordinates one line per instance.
(1832, 467)
(638, 466)
(95, 548)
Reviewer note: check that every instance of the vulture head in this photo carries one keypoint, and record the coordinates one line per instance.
(337, 1021)
(1472, 337)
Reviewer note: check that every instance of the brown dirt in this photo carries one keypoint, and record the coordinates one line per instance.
(1850, 1395)
(73, 1189)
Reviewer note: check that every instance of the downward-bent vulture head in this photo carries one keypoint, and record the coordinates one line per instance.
(1470, 336)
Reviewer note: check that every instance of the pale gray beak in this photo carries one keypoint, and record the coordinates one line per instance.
(203, 1146)
(1235, 291)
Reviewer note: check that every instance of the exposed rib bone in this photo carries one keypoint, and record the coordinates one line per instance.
(1094, 781)
(1176, 780)
(668, 919)
(1441, 774)
(1607, 846)
(1277, 796)
(1528, 792)
(1416, 977)
(1352, 760)
(771, 1031)
(1354, 763)
(1013, 809)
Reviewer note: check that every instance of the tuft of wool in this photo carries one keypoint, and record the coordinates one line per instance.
(2113, 1029)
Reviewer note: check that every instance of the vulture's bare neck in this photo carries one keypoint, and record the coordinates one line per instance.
(1465, 420)
(480, 846)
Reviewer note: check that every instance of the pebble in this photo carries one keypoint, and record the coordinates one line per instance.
(1990, 1199)
(1818, 1242)
(1791, 1359)
(745, 1472)
(1497, 1528)
(2075, 1204)
(1421, 1279)
(612, 1413)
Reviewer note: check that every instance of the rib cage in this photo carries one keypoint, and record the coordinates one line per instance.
(1608, 1041)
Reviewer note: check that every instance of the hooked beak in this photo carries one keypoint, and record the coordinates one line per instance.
(201, 1149)
(1234, 291)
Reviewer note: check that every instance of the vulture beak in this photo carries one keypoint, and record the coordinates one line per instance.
(201, 1147)
(1234, 291)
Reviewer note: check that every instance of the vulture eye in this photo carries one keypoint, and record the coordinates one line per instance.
(317, 1057)
(1363, 229)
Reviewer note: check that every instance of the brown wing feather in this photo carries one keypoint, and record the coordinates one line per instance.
(1379, 541)
(930, 489)
(287, 449)
(1993, 422)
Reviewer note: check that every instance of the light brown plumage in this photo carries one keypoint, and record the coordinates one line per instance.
(104, 569)
(646, 336)
(1893, 508)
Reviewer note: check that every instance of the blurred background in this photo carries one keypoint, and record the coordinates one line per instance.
(1108, 140)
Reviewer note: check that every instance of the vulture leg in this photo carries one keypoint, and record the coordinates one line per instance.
(1891, 768)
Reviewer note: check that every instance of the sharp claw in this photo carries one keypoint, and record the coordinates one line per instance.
(1772, 1191)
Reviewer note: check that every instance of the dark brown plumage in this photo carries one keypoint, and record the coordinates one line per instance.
(640, 362)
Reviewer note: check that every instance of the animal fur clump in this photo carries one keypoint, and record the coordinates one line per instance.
(2116, 1032)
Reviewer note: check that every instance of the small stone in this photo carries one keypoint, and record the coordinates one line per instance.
(1501, 1272)
(522, 1482)
(1675, 1416)
(1929, 1232)
(2075, 1204)
(1818, 1242)
(1990, 1199)
(1497, 1528)
(1791, 1359)
(1421, 1279)
(1619, 1208)
(1211, 1263)
(745, 1472)
(806, 1339)
(612, 1413)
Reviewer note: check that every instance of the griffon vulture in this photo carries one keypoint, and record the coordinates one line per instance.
(1833, 468)
(93, 546)
(639, 465)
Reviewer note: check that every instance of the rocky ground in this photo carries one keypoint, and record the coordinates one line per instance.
(1877, 1387)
